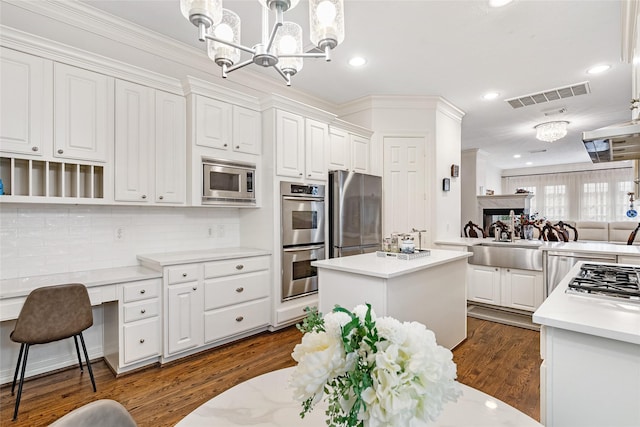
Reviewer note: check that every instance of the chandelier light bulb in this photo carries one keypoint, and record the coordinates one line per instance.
(326, 13)
(551, 131)
(224, 32)
(287, 45)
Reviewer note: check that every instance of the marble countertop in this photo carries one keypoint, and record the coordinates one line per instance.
(607, 318)
(159, 260)
(266, 401)
(388, 267)
(22, 286)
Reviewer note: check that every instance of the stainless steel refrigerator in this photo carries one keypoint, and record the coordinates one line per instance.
(355, 213)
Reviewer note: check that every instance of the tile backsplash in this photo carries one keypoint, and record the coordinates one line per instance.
(46, 239)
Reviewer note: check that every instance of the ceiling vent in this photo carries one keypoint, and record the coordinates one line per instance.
(550, 95)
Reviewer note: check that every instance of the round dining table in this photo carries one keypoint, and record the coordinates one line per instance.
(267, 401)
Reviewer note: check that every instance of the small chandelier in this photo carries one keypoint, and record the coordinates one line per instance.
(551, 131)
(280, 48)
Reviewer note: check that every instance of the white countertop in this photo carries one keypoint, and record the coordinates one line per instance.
(605, 318)
(266, 401)
(388, 267)
(159, 260)
(22, 286)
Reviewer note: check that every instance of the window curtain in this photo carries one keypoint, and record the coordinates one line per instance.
(597, 195)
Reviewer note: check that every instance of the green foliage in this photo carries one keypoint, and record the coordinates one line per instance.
(312, 322)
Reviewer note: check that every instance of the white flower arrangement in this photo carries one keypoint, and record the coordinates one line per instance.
(374, 372)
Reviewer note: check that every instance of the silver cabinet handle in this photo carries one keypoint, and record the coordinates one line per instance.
(239, 267)
(142, 291)
(141, 340)
(300, 174)
(34, 148)
(161, 197)
(184, 274)
(237, 147)
(143, 311)
(240, 289)
(239, 319)
(60, 151)
(195, 288)
(225, 145)
(144, 196)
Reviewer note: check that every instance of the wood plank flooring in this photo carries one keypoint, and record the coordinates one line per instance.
(497, 359)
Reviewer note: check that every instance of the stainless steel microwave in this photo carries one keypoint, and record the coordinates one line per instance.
(225, 182)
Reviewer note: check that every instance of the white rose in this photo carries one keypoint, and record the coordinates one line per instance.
(361, 312)
(333, 322)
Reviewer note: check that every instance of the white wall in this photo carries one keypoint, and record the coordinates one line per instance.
(48, 239)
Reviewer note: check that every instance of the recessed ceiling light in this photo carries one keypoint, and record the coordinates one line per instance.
(490, 95)
(516, 156)
(598, 69)
(499, 3)
(357, 61)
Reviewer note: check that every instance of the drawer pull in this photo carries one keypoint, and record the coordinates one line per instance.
(60, 151)
(239, 267)
(34, 148)
(143, 311)
(184, 274)
(195, 288)
(240, 289)
(141, 340)
(142, 291)
(239, 319)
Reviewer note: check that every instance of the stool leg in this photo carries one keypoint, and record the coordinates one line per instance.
(15, 376)
(75, 340)
(86, 357)
(24, 367)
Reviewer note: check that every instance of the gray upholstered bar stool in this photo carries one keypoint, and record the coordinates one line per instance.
(49, 314)
(101, 413)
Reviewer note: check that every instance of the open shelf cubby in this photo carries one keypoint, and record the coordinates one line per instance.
(44, 178)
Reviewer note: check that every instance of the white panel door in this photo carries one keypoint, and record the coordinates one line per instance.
(170, 148)
(338, 152)
(404, 195)
(247, 130)
(26, 102)
(316, 135)
(522, 289)
(213, 123)
(359, 154)
(289, 144)
(483, 284)
(134, 145)
(184, 317)
(83, 113)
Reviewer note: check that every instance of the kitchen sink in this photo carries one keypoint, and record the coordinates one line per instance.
(522, 254)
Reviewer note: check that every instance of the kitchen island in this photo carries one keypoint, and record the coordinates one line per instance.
(590, 346)
(430, 290)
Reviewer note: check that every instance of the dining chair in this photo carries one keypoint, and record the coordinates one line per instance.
(100, 413)
(471, 230)
(49, 314)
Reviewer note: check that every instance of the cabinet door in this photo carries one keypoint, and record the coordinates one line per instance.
(483, 284)
(213, 123)
(134, 148)
(83, 122)
(170, 148)
(359, 153)
(522, 289)
(184, 317)
(289, 144)
(247, 130)
(316, 136)
(338, 153)
(26, 102)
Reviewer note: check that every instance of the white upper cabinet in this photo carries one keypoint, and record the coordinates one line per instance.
(316, 139)
(150, 145)
(359, 153)
(26, 102)
(213, 123)
(289, 144)
(83, 124)
(224, 126)
(348, 151)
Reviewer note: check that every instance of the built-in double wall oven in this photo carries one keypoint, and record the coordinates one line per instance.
(302, 231)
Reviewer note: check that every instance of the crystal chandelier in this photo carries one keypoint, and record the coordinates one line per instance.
(551, 131)
(280, 48)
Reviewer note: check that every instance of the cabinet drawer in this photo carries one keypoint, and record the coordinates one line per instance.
(295, 312)
(184, 273)
(141, 310)
(236, 289)
(141, 340)
(235, 266)
(235, 319)
(137, 291)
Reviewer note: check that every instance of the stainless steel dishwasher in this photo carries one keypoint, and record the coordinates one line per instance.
(557, 265)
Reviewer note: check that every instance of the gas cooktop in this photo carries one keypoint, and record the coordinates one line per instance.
(613, 281)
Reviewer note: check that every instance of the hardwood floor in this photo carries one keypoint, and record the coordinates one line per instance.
(497, 359)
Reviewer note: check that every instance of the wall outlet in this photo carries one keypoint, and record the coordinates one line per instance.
(119, 234)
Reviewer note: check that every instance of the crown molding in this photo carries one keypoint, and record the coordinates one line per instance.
(351, 128)
(283, 103)
(193, 85)
(399, 102)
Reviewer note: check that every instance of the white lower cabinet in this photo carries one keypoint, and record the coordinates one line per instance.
(133, 337)
(183, 321)
(507, 287)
